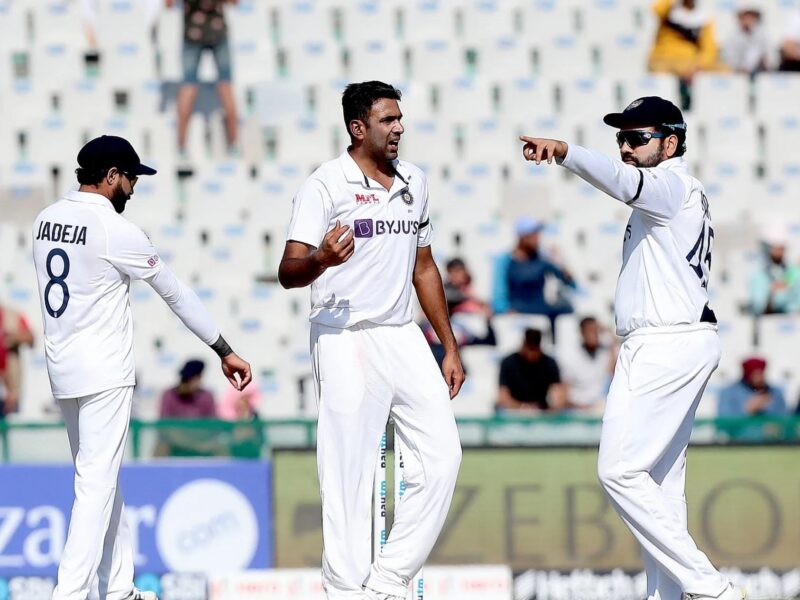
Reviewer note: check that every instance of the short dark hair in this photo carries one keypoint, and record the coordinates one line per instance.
(533, 338)
(680, 132)
(456, 263)
(358, 98)
(91, 176)
(586, 321)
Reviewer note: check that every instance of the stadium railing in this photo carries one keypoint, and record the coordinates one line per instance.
(23, 442)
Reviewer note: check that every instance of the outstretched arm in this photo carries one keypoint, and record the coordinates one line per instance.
(430, 292)
(658, 195)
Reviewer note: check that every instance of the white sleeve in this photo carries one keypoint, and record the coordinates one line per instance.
(311, 213)
(425, 233)
(658, 193)
(131, 251)
(184, 303)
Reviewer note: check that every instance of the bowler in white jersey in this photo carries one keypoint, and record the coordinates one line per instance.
(670, 344)
(360, 235)
(86, 254)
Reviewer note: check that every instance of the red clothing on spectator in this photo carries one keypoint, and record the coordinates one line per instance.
(199, 405)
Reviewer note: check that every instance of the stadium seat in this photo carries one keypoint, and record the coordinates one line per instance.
(505, 59)
(426, 20)
(305, 141)
(313, 61)
(564, 56)
(379, 18)
(426, 141)
(169, 41)
(379, 59)
(528, 97)
(776, 94)
(780, 143)
(58, 22)
(460, 100)
(437, 60)
(488, 140)
(604, 19)
(665, 86)
(544, 18)
(720, 95)
(729, 188)
(304, 21)
(485, 20)
(623, 55)
(581, 97)
(734, 137)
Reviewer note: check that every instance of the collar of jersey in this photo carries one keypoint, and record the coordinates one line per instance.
(354, 174)
(674, 164)
(88, 198)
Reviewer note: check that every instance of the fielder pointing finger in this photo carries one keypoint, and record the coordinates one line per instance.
(360, 235)
(670, 345)
(86, 255)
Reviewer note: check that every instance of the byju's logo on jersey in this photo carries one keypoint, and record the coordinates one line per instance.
(367, 228)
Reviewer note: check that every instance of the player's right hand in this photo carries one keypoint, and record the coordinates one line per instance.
(337, 246)
(539, 149)
(233, 365)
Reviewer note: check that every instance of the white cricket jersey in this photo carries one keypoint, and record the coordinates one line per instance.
(374, 285)
(85, 256)
(666, 253)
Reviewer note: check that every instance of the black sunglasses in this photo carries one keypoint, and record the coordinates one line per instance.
(131, 178)
(636, 137)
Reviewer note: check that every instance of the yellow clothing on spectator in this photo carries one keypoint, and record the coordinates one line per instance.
(685, 41)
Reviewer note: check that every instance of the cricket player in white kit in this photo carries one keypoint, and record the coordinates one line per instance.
(670, 345)
(86, 255)
(360, 235)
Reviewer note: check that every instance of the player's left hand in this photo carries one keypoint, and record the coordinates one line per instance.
(233, 365)
(539, 149)
(453, 372)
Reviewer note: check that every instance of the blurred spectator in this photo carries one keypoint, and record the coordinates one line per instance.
(685, 42)
(463, 307)
(458, 289)
(588, 367)
(204, 28)
(520, 276)
(751, 396)
(790, 47)
(747, 48)
(529, 379)
(774, 286)
(247, 437)
(188, 400)
(15, 332)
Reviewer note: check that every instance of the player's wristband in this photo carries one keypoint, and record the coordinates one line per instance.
(221, 347)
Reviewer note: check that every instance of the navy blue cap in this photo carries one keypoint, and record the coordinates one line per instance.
(109, 151)
(650, 111)
(192, 368)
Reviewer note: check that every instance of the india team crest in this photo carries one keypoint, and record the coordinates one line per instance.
(634, 104)
(408, 198)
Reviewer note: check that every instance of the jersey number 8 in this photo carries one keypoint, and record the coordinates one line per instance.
(58, 280)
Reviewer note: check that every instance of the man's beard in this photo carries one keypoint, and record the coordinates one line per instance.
(119, 199)
(651, 160)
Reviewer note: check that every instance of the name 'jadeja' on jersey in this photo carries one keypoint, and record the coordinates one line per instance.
(57, 232)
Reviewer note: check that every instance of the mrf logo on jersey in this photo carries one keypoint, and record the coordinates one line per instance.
(367, 199)
(367, 228)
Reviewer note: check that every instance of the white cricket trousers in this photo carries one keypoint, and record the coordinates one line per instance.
(658, 382)
(363, 375)
(98, 541)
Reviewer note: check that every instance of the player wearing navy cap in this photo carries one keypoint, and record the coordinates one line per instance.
(670, 344)
(86, 255)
